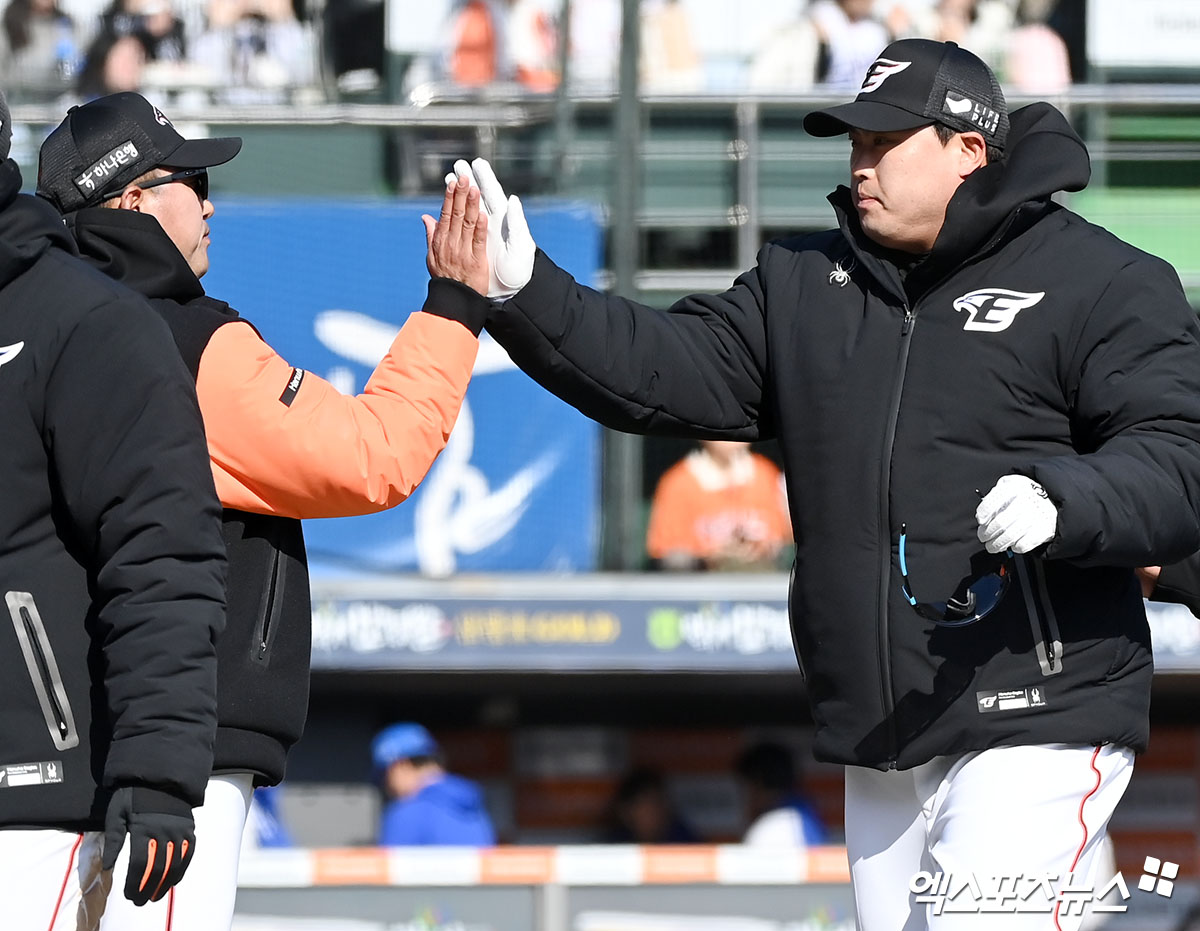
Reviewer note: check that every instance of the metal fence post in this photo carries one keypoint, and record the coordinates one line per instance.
(622, 452)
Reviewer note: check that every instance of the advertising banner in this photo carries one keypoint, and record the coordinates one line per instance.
(1147, 34)
(650, 622)
(598, 622)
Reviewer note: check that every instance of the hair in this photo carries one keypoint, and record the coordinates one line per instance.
(637, 785)
(945, 133)
(91, 81)
(639, 782)
(769, 765)
(18, 16)
(1033, 11)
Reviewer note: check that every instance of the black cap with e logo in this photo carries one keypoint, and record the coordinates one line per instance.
(103, 145)
(917, 82)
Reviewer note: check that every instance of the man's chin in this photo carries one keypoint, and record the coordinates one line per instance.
(889, 240)
(878, 236)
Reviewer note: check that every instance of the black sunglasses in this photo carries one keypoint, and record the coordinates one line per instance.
(195, 178)
(980, 599)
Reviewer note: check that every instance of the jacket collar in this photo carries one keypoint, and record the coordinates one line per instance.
(132, 248)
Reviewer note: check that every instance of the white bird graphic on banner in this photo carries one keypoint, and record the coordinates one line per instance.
(456, 511)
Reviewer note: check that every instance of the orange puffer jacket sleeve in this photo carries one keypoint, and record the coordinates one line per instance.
(285, 441)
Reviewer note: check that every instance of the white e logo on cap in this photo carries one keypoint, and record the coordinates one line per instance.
(880, 71)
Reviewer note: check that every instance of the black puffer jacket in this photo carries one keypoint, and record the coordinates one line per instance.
(111, 561)
(263, 669)
(1029, 341)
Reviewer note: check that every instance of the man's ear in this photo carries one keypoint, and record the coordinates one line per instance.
(972, 152)
(132, 198)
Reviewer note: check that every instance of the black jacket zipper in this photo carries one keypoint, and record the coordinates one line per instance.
(270, 607)
(43, 671)
(885, 571)
(1053, 659)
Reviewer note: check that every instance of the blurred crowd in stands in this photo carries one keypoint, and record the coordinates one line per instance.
(226, 50)
(717, 46)
(270, 51)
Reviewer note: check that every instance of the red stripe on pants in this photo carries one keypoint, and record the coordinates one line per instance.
(1082, 824)
(66, 877)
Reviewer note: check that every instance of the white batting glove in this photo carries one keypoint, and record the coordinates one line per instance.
(510, 245)
(1016, 515)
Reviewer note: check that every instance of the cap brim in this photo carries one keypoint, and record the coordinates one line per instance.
(862, 114)
(204, 153)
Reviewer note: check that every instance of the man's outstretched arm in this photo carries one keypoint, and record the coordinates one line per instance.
(285, 441)
(696, 369)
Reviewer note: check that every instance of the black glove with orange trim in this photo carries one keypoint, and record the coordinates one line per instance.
(162, 836)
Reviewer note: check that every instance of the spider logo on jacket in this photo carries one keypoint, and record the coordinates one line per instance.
(841, 276)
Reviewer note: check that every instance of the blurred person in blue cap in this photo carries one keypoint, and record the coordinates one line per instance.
(428, 806)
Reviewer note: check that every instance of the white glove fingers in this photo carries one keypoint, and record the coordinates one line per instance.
(991, 537)
(515, 266)
(517, 226)
(462, 168)
(991, 505)
(1028, 541)
(489, 187)
(1007, 539)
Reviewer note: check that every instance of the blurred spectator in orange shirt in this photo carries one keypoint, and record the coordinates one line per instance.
(670, 61)
(533, 45)
(721, 507)
(477, 45)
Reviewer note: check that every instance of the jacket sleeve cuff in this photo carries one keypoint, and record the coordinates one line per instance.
(455, 301)
(1180, 584)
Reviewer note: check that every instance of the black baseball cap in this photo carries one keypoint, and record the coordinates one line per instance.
(918, 82)
(103, 145)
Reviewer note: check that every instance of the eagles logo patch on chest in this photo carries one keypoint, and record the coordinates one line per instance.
(990, 310)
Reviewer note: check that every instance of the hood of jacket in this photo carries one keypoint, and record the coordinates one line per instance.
(133, 249)
(453, 792)
(1045, 156)
(28, 226)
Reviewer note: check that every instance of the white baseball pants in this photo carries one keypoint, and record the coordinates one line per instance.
(1007, 812)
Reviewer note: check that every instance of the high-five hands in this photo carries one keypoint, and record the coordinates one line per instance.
(510, 245)
(1016, 514)
(457, 241)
